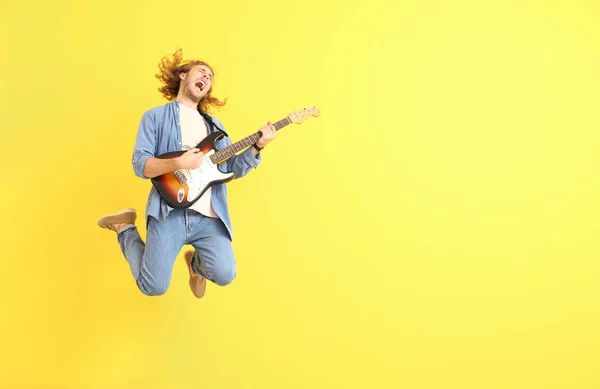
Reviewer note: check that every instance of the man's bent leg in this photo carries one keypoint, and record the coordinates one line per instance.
(214, 257)
(151, 264)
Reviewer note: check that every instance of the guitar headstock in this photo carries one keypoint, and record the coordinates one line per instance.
(301, 115)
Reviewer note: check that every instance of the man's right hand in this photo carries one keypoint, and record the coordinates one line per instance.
(191, 159)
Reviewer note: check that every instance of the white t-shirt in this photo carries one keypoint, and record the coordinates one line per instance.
(193, 130)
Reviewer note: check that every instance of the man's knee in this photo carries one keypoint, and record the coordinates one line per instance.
(224, 276)
(153, 289)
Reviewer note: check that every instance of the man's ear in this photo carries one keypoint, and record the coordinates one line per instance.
(182, 75)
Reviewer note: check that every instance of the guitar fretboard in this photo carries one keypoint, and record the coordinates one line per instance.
(230, 151)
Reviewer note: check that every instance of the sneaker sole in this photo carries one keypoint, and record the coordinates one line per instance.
(123, 216)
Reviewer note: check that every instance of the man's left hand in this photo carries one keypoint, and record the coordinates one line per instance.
(268, 134)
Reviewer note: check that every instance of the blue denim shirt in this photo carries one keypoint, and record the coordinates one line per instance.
(160, 132)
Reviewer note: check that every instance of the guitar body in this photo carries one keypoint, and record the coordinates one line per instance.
(182, 188)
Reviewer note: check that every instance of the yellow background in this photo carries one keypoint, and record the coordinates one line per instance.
(436, 227)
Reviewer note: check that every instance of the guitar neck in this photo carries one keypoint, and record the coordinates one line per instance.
(230, 151)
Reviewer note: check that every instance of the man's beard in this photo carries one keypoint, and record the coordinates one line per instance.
(187, 91)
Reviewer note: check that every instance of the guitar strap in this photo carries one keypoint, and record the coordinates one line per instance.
(212, 124)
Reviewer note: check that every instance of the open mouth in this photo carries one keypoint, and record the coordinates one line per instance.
(201, 85)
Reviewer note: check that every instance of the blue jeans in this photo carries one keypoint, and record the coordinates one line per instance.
(152, 263)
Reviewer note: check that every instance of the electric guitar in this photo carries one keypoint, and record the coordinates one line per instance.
(182, 188)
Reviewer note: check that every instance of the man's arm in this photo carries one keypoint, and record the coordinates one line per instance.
(145, 144)
(146, 165)
(155, 167)
(242, 163)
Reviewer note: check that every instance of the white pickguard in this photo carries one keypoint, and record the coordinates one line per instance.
(198, 179)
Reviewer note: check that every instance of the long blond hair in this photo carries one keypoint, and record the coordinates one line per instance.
(170, 67)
